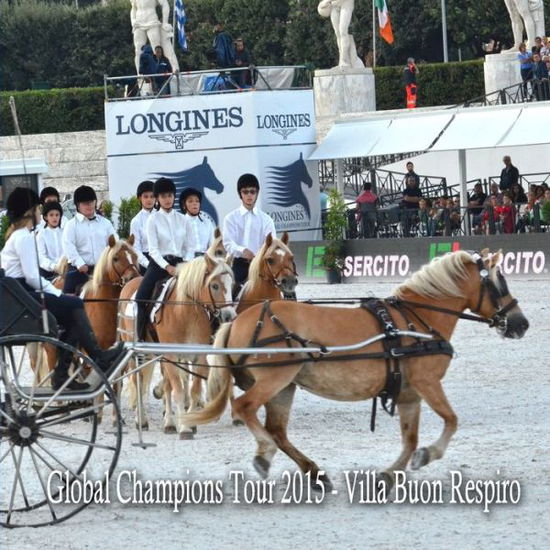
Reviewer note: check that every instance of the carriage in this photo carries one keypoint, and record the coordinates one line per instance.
(54, 446)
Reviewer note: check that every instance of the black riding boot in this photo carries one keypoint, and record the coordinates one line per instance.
(61, 373)
(105, 359)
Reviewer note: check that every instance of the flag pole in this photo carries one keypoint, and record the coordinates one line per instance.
(373, 35)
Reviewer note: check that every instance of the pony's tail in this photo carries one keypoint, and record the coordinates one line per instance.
(220, 387)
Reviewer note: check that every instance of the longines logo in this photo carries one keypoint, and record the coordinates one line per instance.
(284, 125)
(179, 127)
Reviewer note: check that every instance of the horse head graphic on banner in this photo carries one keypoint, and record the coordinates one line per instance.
(200, 177)
(285, 185)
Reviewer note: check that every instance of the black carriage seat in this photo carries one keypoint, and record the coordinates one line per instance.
(19, 313)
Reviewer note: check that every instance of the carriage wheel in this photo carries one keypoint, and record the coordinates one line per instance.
(56, 455)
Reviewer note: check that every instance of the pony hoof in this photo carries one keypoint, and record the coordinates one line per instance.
(238, 422)
(420, 458)
(194, 429)
(261, 465)
(383, 479)
(186, 435)
(325, 480)
(169, 429)
(144, 426)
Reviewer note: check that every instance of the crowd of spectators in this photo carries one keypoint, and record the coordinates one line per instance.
(505, 207)
(535, 68)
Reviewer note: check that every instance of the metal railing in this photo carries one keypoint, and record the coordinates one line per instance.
(530, 90)
(397, 222)
(239, 79)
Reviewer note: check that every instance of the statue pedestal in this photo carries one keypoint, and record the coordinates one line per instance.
(501, 70)
(339, 91)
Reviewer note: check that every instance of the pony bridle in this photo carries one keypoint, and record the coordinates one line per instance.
(121, 282)
(273, 278)
(498, 320)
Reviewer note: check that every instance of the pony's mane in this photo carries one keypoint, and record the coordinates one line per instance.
(191, 275)
(440, 278)
(256, 263)
(103, 264)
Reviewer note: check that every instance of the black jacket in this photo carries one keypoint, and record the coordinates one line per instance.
(508, 177)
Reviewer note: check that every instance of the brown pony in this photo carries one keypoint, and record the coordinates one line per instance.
(272, 274)
(433, 299)
(201, 293)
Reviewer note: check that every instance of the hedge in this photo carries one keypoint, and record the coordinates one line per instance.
(80, 109)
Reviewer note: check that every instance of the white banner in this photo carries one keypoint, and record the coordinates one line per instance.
(208, 141)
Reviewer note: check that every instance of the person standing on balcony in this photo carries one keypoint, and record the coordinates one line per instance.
(509, 175)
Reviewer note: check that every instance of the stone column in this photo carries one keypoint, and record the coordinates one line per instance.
(501, 70)
(344, 90)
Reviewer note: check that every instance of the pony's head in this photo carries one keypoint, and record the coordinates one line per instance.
(117, 264)
(477, 278)
(209, 282)
(494, 300)
(216, 249)
(274, 263)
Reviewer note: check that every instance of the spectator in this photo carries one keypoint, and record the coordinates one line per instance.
(163, 66)
(507, 214)
(526, 68)
(509, 175)
(411, 172)
(494, 192)
(242, 59)
(538, 45)
(490, 212)
(518, 194)
(540, 77)
(475, 205)
(545, 49)
(223, 47)
(427, 223)
(411, 88)
(147, 66)
(366, 211)
(409, 204)
(452, 216)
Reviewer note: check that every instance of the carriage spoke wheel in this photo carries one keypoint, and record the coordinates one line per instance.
(57, 451)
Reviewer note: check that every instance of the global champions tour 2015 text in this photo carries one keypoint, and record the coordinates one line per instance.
(359, 487)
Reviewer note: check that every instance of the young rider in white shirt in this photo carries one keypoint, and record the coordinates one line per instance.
(18, 258)
(84, 238)
(50, 194)
(138, 224)
(201, 226)
(245, 228)
(169, 241)
(50, 240)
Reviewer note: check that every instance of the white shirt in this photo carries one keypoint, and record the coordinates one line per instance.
(168, 234)
(18, 259)
(202, 230)
(244, 228)
(84, 240)
(138, 230)
(50, 247)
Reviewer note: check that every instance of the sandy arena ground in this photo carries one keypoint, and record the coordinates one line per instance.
(499, 390)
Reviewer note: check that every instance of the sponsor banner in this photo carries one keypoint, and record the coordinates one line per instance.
(208, 141)
(525, 256)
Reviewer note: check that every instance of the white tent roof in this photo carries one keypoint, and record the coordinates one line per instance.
(456, 129)
(531, 128)
(350, 139)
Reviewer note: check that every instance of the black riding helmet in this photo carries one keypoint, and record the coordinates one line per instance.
(164, 185)
(48, 192)
(49, 206)
(247, 180)
(84, 193)
(186, 193)
(144, 187)
(19, 202)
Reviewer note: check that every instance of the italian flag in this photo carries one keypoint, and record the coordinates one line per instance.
(384, 21)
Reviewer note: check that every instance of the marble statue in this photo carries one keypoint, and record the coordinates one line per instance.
(528, 14)
(340, 12)
(146, 26)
